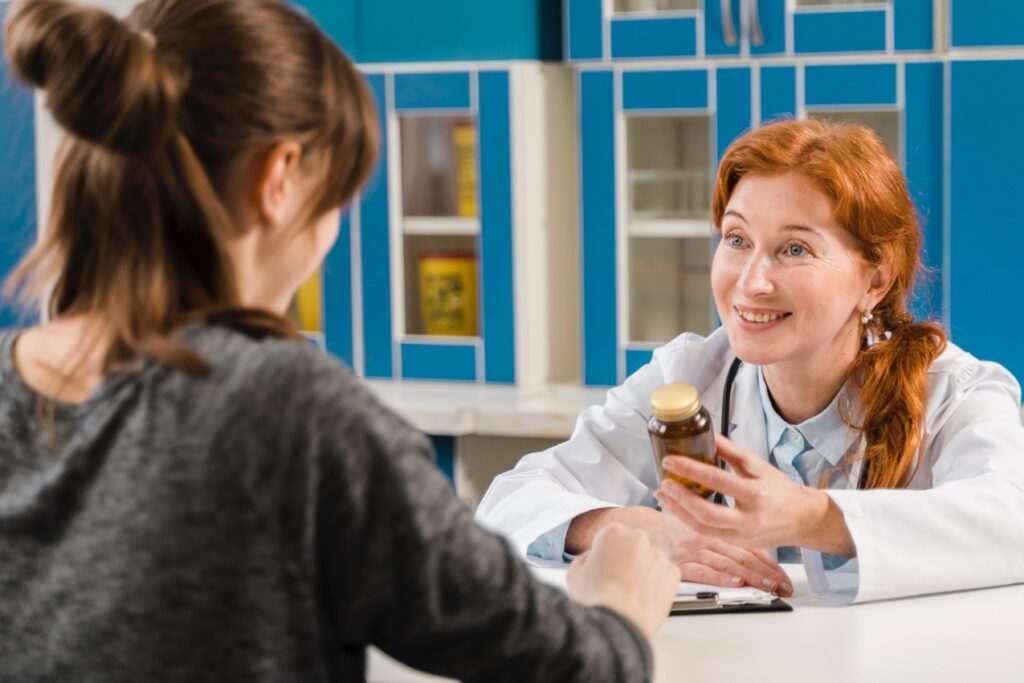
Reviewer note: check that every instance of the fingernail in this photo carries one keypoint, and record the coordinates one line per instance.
(737, 580)
(671, 486)
(787, 587)
(768, 583)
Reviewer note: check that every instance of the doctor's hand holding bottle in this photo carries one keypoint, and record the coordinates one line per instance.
(770, 509)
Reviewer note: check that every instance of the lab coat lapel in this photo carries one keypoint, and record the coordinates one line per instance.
(746, 416)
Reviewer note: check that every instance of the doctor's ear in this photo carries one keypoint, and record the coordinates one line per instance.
(276, 182)
(879, 284)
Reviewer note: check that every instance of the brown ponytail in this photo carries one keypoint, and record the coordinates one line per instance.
(870, 199)
(161, 109)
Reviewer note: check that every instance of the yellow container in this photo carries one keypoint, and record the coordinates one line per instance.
(464, 137)
(308, 306)
(448, 293)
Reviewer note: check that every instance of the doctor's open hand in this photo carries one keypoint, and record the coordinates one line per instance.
(700, 558)
(769, 509)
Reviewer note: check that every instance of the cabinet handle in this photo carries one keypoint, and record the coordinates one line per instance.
(728, 28)
(756, 34)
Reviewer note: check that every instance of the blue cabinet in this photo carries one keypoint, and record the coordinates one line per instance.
(17, 178)
(597, 30)
(985, 236)
(401, 31)
(650, 143)
(441, 271)
(986, 23)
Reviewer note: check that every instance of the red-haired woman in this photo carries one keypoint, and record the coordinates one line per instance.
(892, 459)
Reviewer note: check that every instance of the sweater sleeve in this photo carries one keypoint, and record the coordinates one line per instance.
(405, 568)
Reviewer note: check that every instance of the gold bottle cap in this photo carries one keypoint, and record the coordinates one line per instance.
(675, 402)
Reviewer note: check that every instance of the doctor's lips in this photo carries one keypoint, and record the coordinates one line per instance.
(760, 316)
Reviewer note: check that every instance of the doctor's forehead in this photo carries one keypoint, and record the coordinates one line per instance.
(783, 201)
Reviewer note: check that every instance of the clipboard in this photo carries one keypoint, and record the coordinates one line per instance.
(708, 602)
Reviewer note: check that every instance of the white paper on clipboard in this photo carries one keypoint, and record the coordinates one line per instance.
(743, 595)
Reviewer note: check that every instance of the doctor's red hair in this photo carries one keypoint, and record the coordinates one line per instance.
(870, 199)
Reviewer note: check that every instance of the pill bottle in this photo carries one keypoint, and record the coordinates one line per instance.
(681, 426)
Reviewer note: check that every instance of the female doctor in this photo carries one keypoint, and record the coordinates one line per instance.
(858, 441)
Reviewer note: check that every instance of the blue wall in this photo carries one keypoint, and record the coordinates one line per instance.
(17, 176)
(449, 30)
(986, 240)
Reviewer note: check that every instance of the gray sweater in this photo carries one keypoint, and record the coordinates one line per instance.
(263, 523)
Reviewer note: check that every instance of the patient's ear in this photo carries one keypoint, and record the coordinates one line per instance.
(275, 186)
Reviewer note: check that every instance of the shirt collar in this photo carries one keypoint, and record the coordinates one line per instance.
(826, 432)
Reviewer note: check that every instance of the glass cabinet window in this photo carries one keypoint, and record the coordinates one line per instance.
(669, 287)
(623, 6)
(885, 123)
(669, 226)
(669, 172)
(438, 166)
(440, 224)
(441, 285)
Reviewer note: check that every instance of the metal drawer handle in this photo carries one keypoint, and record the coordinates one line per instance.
(756, 34)
(728, 28)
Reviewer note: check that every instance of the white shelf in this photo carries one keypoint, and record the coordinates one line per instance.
(455, 409)
(687, 228)
(440, 225)
(455, 340)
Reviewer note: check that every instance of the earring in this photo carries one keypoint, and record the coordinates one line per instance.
(870, 337)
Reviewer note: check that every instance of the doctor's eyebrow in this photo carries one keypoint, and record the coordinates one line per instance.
(802, 228)
(794, 227)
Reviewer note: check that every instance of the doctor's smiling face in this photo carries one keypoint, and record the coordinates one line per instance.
(789, 281)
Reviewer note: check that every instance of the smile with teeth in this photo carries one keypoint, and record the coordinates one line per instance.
(760, 317)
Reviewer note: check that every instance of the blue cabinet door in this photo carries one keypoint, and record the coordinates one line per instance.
(986, 240)
(365, 323)
(611, 100)
(17, 179)
(986, 23)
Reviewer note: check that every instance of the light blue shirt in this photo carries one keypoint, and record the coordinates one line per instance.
(810, 453)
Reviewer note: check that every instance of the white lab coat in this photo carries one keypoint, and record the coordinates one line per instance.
(959, 524)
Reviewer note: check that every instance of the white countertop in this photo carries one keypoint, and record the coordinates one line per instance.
(458, 409)
(955, 637)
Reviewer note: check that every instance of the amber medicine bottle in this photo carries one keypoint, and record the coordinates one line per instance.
(681, 426)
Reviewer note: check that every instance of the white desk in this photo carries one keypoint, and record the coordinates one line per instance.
(956, 637)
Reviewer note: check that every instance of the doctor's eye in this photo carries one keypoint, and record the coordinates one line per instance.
(797, 250)
(734, 241)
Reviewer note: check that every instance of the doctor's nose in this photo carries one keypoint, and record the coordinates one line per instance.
(756, 277)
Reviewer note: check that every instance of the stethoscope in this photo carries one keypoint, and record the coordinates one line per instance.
(730, 377)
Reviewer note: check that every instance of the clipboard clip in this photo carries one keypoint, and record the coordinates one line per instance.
(698, 601)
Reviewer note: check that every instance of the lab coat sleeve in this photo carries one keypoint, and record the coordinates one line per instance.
(608, 462)
(965, 528)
